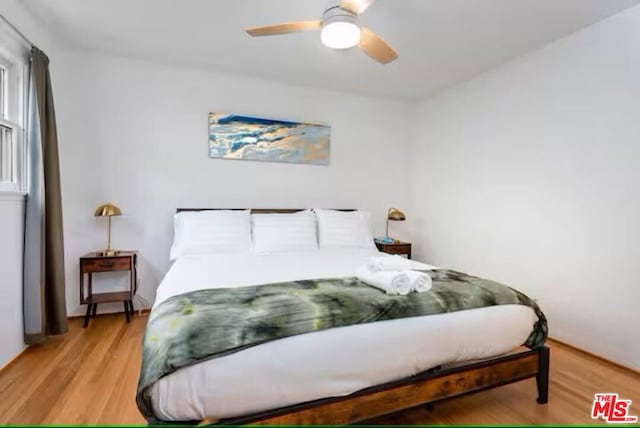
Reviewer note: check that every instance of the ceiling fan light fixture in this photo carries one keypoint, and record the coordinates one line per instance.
(339, 29)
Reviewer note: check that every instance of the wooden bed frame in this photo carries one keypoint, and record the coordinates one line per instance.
(431, 386)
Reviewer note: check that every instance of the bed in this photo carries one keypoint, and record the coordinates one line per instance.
(345, 374)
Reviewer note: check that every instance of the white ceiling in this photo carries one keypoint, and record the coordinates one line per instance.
(440, 42)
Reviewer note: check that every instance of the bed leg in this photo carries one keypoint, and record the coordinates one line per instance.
(542, 378)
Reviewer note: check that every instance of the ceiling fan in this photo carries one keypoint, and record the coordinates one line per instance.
(340, 30)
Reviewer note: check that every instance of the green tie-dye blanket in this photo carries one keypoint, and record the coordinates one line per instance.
(205, 324)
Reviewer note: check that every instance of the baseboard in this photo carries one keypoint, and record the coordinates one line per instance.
(15, 357)
(591, 354)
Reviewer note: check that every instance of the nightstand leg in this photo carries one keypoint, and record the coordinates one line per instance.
(126, 310)
(131, 308)
(86, 317)
(93, 311)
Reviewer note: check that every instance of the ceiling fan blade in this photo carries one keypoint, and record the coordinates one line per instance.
(355, 6)
(374, 46)
(287, 27)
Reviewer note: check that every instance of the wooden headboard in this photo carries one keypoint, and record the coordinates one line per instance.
(256, 210)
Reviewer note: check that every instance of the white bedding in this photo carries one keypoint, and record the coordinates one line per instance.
(327, 363)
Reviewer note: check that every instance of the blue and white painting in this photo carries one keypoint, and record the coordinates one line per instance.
(233, 136)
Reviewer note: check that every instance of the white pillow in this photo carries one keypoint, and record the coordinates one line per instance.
(344, 229)
(284, 232)
(211, 231)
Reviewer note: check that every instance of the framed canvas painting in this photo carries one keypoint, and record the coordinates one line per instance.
(233, 136)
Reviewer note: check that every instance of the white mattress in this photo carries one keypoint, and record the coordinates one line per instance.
(323, 364)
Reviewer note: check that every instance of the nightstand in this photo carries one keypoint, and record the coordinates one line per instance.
(125, 261)
(396, 247)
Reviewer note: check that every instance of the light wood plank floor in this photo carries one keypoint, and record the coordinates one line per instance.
(89, 377)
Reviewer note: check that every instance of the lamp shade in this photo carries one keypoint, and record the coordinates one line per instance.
(395, 214)
(108, 209)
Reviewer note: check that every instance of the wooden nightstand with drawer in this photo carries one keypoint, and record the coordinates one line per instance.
(96, 262)
(395, 247)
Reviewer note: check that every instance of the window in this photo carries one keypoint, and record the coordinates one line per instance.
(3, 90)
(12, 101)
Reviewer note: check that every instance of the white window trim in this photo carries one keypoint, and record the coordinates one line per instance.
(16, 109)
(3, 74)
(14, 184)
(12, 196)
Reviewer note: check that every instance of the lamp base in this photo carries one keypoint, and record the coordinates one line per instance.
(107, 253)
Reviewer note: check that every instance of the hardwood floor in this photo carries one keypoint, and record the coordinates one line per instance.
(90, 376)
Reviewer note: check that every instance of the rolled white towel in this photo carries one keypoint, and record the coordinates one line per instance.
(381, 263)
(420, 281)
(391, 282)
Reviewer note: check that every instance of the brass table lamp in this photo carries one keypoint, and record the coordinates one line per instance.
(394, 214)
(108, 210)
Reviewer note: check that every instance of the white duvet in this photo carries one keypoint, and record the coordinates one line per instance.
(323, 364)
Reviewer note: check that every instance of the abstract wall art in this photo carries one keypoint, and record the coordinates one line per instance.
(233, 136)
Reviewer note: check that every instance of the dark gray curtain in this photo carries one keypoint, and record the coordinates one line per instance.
(45, 311)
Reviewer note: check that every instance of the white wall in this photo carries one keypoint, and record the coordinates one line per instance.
(135, 133)
(11, 238)
(529, 175)
(23, 20)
